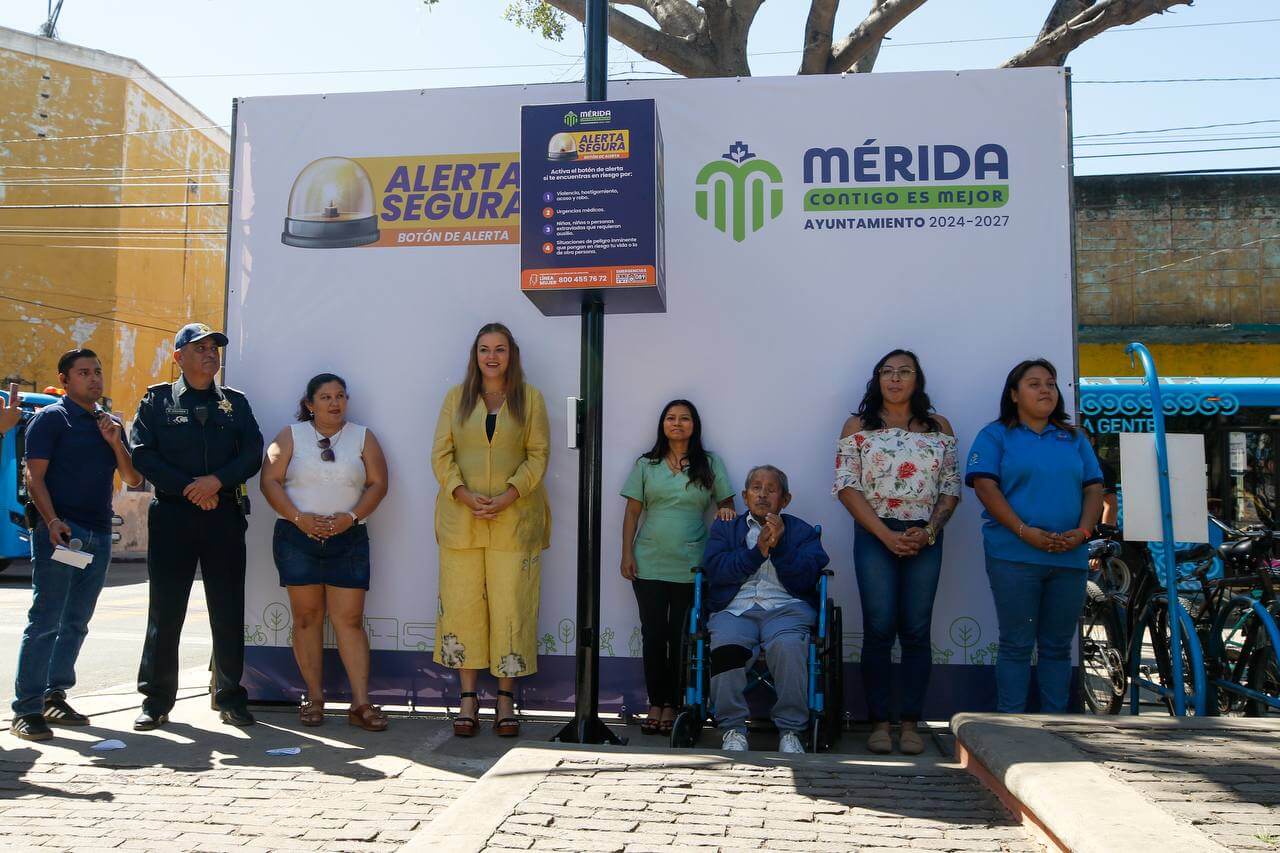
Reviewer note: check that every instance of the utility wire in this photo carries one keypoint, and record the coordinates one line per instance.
(113, 135)
(1184, 127)
(1177, 140)
(76, 313)
(113, 206)
(1186, 151)
(629, 61)
(1182, 80)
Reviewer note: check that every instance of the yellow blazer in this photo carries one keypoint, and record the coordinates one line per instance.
(461, 455)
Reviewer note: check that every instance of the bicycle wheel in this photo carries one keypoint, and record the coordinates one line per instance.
(1118, 576)
(1264, 676)
(1102, 675)
(1193, 679)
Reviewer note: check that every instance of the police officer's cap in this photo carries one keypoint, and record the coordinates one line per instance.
(193, 332)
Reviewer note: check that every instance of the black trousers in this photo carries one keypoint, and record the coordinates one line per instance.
(181, 536)
(664, 611)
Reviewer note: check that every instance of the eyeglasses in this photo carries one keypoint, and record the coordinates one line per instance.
(326, 452)
(897, 372)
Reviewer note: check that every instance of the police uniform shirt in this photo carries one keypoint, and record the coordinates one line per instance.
(1042, 475)
(172, 446)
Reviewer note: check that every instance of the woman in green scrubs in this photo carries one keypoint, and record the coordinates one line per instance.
(673, 487)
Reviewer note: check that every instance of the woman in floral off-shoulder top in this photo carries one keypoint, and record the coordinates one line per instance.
(896, 473)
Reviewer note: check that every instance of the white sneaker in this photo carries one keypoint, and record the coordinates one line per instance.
(734, 741)
(789, 743)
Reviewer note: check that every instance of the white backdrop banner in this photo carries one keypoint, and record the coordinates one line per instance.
(813, 224)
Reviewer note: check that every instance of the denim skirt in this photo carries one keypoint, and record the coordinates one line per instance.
(341, 561)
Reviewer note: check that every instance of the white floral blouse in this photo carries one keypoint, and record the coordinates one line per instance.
(900, 473)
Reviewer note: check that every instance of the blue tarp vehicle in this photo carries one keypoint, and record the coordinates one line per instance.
(15, 539)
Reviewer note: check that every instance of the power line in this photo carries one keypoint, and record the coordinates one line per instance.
(113, 206)
(1184, 127)
(1177, 140)
(113, 135)
(75, 313)
(1187, 151)
(220, 250)
(1183, 80)
(183, 169)
(629, 61)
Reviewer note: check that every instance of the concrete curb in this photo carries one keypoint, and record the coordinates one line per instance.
(472, 819)
(1061, 794)
(467, 824)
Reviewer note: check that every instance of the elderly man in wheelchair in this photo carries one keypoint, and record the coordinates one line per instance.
(762, 574)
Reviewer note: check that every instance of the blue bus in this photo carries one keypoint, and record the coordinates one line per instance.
(1239, 418)
(15, 539)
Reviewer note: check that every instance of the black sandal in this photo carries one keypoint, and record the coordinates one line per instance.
(507, 726)
(652, 725)
(665, 726)
(467, 726)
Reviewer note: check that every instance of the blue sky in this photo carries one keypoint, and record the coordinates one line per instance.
(213, 50)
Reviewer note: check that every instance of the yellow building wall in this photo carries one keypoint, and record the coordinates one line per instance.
(119, 280)
(1220, 359)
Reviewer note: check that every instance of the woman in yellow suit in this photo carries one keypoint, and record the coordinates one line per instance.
(492, 523)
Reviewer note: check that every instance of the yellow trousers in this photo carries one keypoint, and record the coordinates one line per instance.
(488, 615)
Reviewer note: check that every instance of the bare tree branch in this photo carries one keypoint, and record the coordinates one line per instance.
(1052, 49)
(883, 18)
(817, 36)
(867, 61)
(679, 54)
(728, 22)
(678, 18)
(1059, 13)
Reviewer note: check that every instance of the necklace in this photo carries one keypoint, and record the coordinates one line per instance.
(328, 442)
(677, 463)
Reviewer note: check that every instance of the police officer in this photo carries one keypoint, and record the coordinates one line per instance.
(197, 442)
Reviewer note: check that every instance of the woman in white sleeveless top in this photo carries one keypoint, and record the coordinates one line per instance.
(325, 476)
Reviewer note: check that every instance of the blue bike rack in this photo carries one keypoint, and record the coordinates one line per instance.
(1179, 619)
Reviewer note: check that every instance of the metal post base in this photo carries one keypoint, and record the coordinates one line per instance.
(588, 730)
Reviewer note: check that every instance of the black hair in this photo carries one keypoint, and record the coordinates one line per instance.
(304, 413)
(873, 400)
(1009, 409)
(699, 463)
(71, 357)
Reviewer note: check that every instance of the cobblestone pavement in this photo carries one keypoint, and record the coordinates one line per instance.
(197, 784)
(664, 800)
(1222, 775)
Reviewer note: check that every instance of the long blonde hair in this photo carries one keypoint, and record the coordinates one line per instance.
(474, 382)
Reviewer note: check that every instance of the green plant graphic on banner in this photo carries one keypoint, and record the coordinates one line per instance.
(548, 643)
(755, 186)
(965, 632)
(985, 656)
(277, 619)
(568, 633)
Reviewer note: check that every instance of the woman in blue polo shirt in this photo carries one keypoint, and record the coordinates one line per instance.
(1041, 485)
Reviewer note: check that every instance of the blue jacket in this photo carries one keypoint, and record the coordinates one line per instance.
(727, 562)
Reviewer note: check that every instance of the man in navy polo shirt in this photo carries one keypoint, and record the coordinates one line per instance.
(74, 449)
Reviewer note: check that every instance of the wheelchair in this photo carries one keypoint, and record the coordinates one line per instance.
(825, 665)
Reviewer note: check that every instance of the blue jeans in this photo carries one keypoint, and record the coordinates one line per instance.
(897, 604)
(735, 643)
(1037, 607)
(62, 602)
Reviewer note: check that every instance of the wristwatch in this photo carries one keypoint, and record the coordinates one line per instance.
(931, 533)
(355, 519)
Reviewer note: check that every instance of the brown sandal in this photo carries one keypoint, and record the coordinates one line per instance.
(466, 726)
(311, 711)
(367, 717)
(507, 726)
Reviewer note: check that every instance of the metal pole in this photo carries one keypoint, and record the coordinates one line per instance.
(586, 726)
(1168, 563)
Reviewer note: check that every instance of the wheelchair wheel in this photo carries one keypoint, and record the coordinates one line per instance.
(687, 727)
(833, 677)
